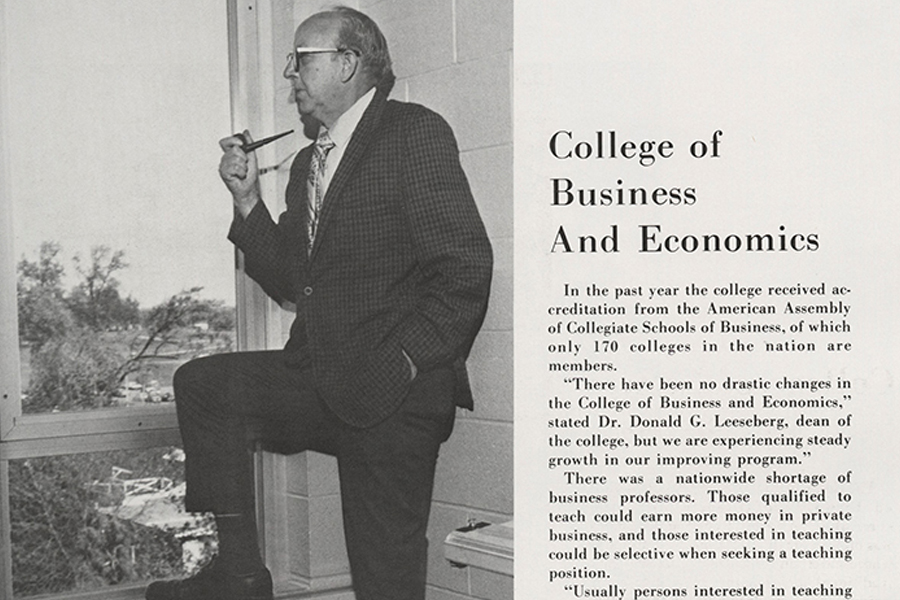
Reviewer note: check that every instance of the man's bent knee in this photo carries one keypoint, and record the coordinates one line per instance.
(196, 373)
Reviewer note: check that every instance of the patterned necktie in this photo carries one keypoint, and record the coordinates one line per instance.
(316, 183)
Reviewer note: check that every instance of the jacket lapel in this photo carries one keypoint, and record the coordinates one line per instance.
(359, 141)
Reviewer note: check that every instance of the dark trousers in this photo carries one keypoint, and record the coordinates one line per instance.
(229, 401)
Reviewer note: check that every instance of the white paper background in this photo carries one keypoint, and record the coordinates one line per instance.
(805, 94)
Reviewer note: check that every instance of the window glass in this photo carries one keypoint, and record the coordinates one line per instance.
(87, 521)
(123, 268)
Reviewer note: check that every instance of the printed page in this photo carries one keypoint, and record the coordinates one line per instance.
(706, 299)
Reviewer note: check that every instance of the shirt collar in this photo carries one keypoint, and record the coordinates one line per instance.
(346, 124)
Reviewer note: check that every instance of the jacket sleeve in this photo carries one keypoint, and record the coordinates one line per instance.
(451, 244)
(264, 245)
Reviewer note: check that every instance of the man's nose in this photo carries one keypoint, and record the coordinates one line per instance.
(290, 71)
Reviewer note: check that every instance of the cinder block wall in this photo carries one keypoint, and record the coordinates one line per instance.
(455, 56)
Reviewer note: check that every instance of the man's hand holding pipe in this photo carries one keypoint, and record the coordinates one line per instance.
(240, 172)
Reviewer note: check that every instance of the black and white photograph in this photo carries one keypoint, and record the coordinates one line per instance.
(257, 299)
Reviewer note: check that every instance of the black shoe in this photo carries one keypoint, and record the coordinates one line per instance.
(214, 583)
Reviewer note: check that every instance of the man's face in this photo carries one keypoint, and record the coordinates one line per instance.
(315, 77)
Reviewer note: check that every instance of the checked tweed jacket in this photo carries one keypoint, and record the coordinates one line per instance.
(401, 262)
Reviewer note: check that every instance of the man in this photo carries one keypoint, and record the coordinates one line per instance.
(383, 253)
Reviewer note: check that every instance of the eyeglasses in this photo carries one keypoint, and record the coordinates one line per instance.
(296, 58)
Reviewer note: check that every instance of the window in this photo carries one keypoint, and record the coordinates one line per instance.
(114, 267)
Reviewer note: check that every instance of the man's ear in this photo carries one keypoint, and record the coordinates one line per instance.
(349, 65)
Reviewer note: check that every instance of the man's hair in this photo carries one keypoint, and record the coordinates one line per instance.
(358, 32)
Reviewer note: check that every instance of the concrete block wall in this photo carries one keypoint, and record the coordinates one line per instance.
(455, 56)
